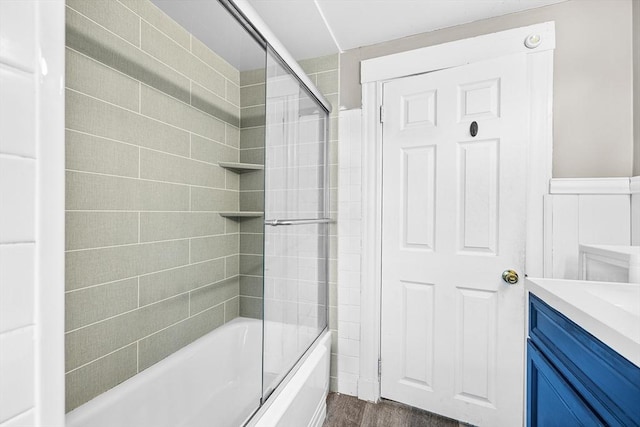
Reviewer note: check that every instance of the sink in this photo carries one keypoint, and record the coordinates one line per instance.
(628, 299)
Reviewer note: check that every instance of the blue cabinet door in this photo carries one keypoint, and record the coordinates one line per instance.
(551, 401)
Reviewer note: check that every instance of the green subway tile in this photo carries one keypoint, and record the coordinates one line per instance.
(252, 95)
(94, 41)
(94, 266)
(93, 78)
(180, 59)
(320, 64)
(89, 153)
(251, 307)
(252, 155)
(156, 226)
(233, 93)
(333, 129)
(232, 137)
(156, 17)
(88, 343)
(112, 15)
(161, 344)
(207, 199)
(96, 229)
(252, 77)
(252, 137)
(164, 284)
(232, 266)
(98, 118)
(99, 302)
(252, 225)
(212, 295)
(251, 265)
(212, 104)
(333, 318)
(251, 244)
(251, 286)
(169, 110)
(252, 181)
(231, 309)
(328, 82)
(200, 50)
(204, 248)
(233, 181)
(252, 201)
(252, 116)
(100, 192)
(232, 225)
(99, 376)
(211, 151)
(335, 104)
(159, 166)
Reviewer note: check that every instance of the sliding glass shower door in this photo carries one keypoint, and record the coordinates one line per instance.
(296, 223)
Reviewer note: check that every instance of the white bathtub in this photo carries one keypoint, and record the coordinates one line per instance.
(214, 382)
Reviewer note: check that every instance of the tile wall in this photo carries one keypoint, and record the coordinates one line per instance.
(151, 265)
(252, 134)
(18, 163)
(324, 73)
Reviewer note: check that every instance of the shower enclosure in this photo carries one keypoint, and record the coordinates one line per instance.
(197, 196)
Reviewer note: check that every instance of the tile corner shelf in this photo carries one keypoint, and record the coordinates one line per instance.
(238, 214)
(241, 167)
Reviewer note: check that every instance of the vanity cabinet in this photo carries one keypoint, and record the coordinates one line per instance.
(575, 379)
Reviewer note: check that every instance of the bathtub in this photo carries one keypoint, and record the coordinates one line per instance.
(189, 389)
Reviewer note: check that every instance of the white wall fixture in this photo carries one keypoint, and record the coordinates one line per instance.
(583, 211)
(32, 213)
(374, 72)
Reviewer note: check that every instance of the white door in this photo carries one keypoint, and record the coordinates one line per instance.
(453, 221)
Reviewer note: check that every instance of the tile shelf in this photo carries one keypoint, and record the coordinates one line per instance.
(241, 214)
(241, 167)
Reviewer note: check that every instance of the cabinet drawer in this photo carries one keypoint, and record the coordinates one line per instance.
(551, 401)
(606, 380)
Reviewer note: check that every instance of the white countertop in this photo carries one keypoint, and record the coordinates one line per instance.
(609, 311)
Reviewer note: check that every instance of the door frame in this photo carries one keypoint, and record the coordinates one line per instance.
(374, 73)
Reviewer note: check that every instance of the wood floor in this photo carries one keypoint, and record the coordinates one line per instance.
(349, 411)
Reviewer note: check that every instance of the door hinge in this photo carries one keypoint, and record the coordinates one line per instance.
(382, 114)
(379, 369)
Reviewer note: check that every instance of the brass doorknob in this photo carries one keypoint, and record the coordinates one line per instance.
(510, 276)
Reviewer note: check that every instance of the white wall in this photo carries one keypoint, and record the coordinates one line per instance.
(584, 211)
(31, 132)
(593, 56)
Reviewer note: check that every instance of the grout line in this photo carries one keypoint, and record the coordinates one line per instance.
(17, 242)
(154, 118)
(150, 148)
(144, 51)
(149, 180)
(18, 330)
(9, 156)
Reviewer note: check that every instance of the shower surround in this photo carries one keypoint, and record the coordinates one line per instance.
(151, 265)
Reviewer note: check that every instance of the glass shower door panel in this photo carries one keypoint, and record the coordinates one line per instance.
(295, 152)
(295, 306)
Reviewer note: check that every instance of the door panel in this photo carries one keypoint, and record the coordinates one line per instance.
(452, 222)
(419, 197)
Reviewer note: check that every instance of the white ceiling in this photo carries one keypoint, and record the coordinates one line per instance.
(312, 28)
(300, 26)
